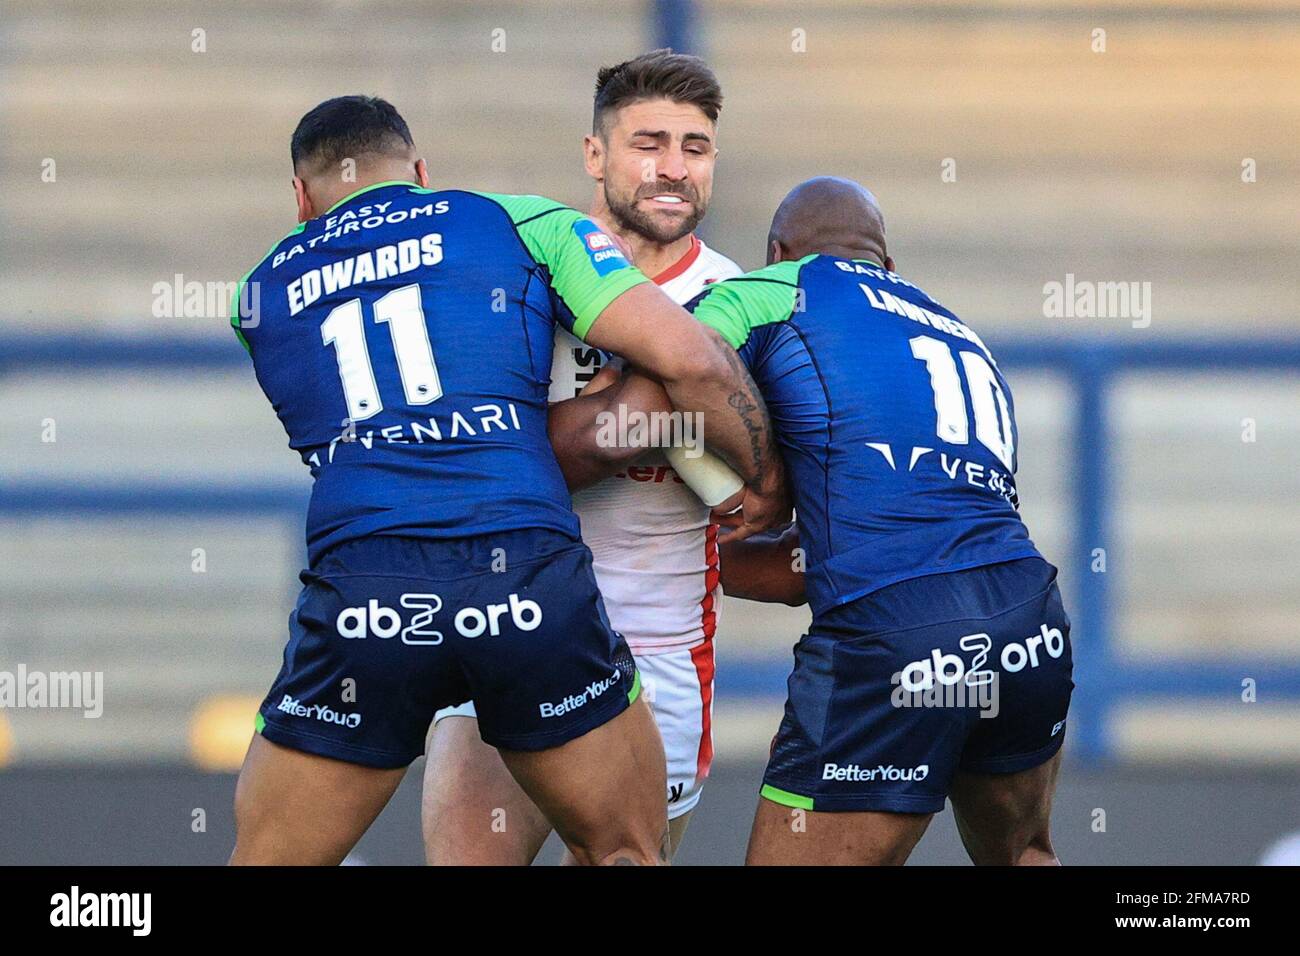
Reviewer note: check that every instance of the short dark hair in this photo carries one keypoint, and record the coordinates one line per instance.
(348, 126)
(660, 73)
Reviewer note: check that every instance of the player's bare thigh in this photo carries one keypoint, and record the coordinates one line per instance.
(788, 836)
(298, 809)
(604, 792)
(476, 814)
(473, 812)
(1005, 819)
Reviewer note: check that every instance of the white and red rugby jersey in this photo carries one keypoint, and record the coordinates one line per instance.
(656, 554)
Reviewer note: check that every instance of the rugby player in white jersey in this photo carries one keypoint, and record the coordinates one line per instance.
(651, 154)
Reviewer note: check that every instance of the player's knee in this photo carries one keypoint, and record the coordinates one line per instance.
(630, 856)
(1024, 846)
(255, 826)
(1021, 842)
(246, 851)
(1038, 850)
(627, 851)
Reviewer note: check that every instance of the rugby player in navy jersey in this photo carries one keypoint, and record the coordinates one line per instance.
(404, 338)
(938, 664)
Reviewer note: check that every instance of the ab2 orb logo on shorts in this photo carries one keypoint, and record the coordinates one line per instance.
(377, 620)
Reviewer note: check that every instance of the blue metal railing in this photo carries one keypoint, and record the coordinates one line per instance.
(1105, 679)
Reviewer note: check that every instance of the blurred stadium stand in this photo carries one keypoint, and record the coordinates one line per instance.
(1116, 166)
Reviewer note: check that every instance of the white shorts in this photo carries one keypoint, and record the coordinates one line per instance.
(678, 686)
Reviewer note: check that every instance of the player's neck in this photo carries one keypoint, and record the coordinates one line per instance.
(654, 258)
(329, 194)
(856, 253)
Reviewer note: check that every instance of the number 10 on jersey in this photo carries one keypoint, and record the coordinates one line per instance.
(992, 415)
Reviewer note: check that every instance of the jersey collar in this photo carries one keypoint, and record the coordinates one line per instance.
(681, 265)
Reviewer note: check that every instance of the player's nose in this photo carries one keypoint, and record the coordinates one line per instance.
(672, 166)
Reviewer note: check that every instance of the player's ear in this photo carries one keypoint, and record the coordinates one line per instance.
(775, 252)
(889, 264)
(305, 211)
(593, 156)
(422, 173)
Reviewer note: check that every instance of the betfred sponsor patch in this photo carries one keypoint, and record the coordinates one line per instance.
(604, 253)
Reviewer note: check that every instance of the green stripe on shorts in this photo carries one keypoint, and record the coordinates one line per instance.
(635, 692)
(258, 723)
(786, 798)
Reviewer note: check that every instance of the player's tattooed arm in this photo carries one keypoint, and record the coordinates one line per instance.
(584, 430)
(745, 423)
(766, 501)
(752, 412)
(765, 567)
(699, 371)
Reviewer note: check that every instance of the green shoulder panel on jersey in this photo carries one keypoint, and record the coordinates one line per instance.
(735, 307)
(555, 237)
(235, 317)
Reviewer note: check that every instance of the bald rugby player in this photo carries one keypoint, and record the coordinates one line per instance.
(938, 663)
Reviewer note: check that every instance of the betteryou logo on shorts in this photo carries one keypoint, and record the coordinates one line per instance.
(322, 712)
(886, 773)
(574, 701)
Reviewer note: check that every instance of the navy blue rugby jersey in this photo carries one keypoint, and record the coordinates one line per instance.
(404, 339)
(898, 429)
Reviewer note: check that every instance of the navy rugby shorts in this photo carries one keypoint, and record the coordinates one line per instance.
(388, 630)
(895, 692)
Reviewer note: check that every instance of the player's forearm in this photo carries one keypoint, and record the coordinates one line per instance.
(733, 418)
(701, 373)
(584, 433)
(765, 567)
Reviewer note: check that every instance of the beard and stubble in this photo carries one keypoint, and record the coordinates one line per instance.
(657, 228)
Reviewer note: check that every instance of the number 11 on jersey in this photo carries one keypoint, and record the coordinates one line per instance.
(403, 313)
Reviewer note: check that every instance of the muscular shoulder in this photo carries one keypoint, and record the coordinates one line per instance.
(737, 306)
